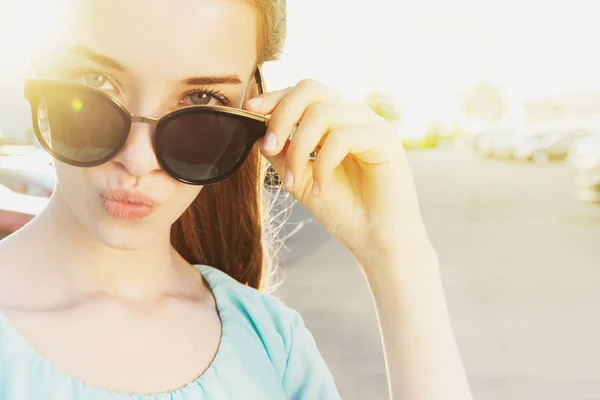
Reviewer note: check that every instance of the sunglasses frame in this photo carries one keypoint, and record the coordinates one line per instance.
(34, 91)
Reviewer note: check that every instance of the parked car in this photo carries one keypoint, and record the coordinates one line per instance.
(504, 145)
(584, 163)
(27, 175)
(496, 143)
(483, 142)
(547, 148)
(17, 209)
(17, 150)
(26, 183)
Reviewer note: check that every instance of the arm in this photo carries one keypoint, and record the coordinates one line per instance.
(422, 358)
(360, 189)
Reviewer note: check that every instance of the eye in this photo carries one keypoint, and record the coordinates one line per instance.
(97, 80)
(204, 98)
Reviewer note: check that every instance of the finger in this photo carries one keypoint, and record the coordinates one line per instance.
(266, 102)
(318, 120)
(291, 108)
(366, 145)
(278, 163)
(336, 148)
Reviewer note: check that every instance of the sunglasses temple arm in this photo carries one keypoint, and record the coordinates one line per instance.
(260, 82)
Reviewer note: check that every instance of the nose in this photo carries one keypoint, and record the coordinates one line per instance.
(138, 156)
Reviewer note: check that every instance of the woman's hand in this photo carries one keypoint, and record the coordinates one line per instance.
(359, 187)
(361, 190)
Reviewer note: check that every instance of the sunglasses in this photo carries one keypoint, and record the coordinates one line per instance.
(86, 127)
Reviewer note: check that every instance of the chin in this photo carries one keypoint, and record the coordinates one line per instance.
(124, 235)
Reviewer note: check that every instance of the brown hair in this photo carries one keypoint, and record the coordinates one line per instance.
(226, 225)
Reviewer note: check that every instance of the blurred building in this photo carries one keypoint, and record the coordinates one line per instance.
(487, 107)
(576, 109)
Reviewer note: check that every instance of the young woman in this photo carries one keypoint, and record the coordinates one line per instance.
(142, 278)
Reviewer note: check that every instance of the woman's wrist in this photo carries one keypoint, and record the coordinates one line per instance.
(409, 257)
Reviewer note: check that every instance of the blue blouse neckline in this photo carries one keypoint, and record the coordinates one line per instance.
(209, 274)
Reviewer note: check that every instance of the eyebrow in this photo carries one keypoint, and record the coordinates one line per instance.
(84, 52)
(97, 58)
(213, 80)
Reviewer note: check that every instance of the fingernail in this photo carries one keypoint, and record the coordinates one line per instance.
(288, 179)
(256, 102)
(270, 142)
(315, 188)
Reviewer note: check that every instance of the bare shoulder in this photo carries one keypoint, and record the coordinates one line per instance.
(19, 276)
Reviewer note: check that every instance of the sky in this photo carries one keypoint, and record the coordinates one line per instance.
(424, 52)
(421, 52)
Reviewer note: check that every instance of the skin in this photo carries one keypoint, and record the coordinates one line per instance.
(113, 306)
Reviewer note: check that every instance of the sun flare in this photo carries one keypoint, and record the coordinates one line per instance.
(27, 25)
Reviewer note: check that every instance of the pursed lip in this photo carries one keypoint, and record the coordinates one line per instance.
(127, 205)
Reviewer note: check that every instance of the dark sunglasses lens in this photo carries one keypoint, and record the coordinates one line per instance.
(202, 146)
(80, 125)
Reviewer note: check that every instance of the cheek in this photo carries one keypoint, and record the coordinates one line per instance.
(72, 179)
(183, 196)
(79, 190)
(87, 181)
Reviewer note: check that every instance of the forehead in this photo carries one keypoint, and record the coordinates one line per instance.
(167, 37)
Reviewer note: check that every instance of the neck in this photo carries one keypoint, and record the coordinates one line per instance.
(141, 275)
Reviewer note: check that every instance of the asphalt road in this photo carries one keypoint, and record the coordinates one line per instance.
(520, 259)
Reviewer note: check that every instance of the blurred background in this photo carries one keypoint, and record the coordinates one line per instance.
(498, 104)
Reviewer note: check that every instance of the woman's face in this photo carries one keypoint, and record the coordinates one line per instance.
(153, 56)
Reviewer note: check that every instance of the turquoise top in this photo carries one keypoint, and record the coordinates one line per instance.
(265, 353)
